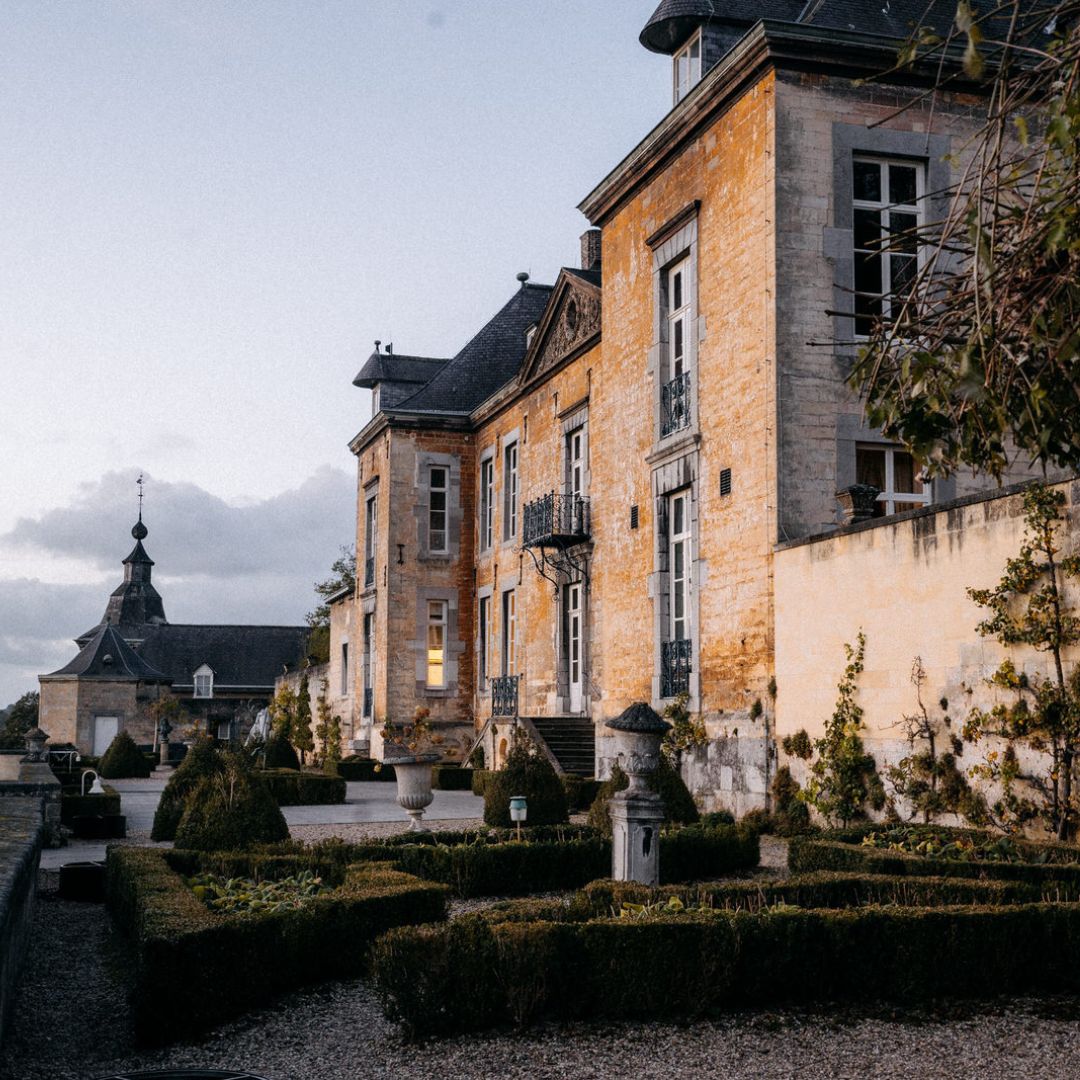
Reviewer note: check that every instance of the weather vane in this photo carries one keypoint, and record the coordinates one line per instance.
(140, 482)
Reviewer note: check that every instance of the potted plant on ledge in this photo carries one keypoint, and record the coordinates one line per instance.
(410, 748)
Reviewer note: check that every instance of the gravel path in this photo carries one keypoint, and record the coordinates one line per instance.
(71, 1023)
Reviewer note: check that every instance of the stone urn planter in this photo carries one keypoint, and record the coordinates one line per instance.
(414, 792)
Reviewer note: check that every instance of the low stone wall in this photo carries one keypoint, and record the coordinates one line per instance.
(22, 830)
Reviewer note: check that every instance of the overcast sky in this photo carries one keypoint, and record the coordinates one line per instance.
(209, 211)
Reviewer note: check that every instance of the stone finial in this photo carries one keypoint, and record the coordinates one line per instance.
(641, 719)
(857, 502)
(35, 744)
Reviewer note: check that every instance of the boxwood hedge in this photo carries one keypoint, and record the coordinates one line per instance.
(73, 805)
(291, 788)
(195, 968)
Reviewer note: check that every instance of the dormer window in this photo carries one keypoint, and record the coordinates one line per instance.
(529, 335)
(204, 682)
(687, 67)
(374, 401)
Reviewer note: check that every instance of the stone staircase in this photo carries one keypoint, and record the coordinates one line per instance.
(571, 741)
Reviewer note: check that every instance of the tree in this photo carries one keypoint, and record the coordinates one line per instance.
(984, 351)
(342, 575)
(19, 718)
(328, 732)
(1029, 606)
(844, 778)
(301, 727)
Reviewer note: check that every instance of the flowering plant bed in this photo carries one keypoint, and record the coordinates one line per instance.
(246, 896)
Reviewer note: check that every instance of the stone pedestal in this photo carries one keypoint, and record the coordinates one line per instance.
(635, 834)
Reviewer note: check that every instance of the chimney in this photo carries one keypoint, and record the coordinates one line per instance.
(590, 249)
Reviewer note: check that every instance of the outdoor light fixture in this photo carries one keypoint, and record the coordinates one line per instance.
(518, 811)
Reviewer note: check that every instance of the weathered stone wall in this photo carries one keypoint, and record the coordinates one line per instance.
(903, 583)
(21, 835)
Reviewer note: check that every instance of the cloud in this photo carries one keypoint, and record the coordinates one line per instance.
(214, 563)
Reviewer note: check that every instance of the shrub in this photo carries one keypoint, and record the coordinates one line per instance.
(210, 967)
(679, 805)
(757, 821)
(791, 815)
(696, 853)
(480, 780)
(580, 793)
(364, 769)
(280, 754)
(303, 789)
(529, 774)
(73, 805)
(693, 964)
(123, 759)
(201, 761)
(718, 817)
(231, 809)
(451, 778)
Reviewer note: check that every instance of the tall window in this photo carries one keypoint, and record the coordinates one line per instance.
(896, 473)
(369, 664)
(687, 67)
(510, 491)
(487, 505)
(436, 644)
(680, 555)
(675, 392)
(575, 463)
(484, 657)
(887, 211)
(438, 480)
(370, 514)
(509, 632)
(344, 669)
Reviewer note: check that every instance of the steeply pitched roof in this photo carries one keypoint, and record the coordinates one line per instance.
(240, 656)
(389, 367)
(108, 656)
(490, 360)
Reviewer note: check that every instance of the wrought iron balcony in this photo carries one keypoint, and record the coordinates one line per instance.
(504, 695)
(368, 696)
(369, 572)
(556, 521)
(675, 404)
(675, 667)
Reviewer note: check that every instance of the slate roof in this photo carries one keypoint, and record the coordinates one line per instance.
(674, 20)
(389, 367)
(490, 360)
(108, 656)
(240, 656)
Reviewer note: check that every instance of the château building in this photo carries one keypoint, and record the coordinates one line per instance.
(634, 483)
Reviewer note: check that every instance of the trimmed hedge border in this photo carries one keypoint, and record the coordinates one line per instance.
(685, 967)
(363, 769)
(451, 778)
(73, 805)
(303, 789)
(209, 967)
(480, 780)
(806, 854)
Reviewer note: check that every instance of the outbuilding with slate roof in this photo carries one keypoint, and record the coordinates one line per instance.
(221, 675)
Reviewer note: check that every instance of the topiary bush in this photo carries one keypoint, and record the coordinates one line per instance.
(230, 810)
(280, 754)
(201, 761)
(529, 774)
(791, 816)
(123, 760)
(679, 805)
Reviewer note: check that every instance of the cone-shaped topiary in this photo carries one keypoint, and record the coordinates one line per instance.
(666, 782)
(123, 759)
(230, 810)
(531, 775)
(201, 761)
(280, 754)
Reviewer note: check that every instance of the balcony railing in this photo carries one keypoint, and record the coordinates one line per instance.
(675, 667)
(504, 695)
(675, 404)
(368, 696)
(369, 572)
(556, 521)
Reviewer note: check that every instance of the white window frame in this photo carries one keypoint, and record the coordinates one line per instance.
(509, 632)
(435, 490)
(680, 555)
(203, 682)
(884, 209)
(686, 68)
(487, 503)
(437, 628)
(510, 490)
(371, 525)
(896, 502)
(483, 621)
(677, 297)
(369, 664)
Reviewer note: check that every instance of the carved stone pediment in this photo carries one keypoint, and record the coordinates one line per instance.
(572, 318)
